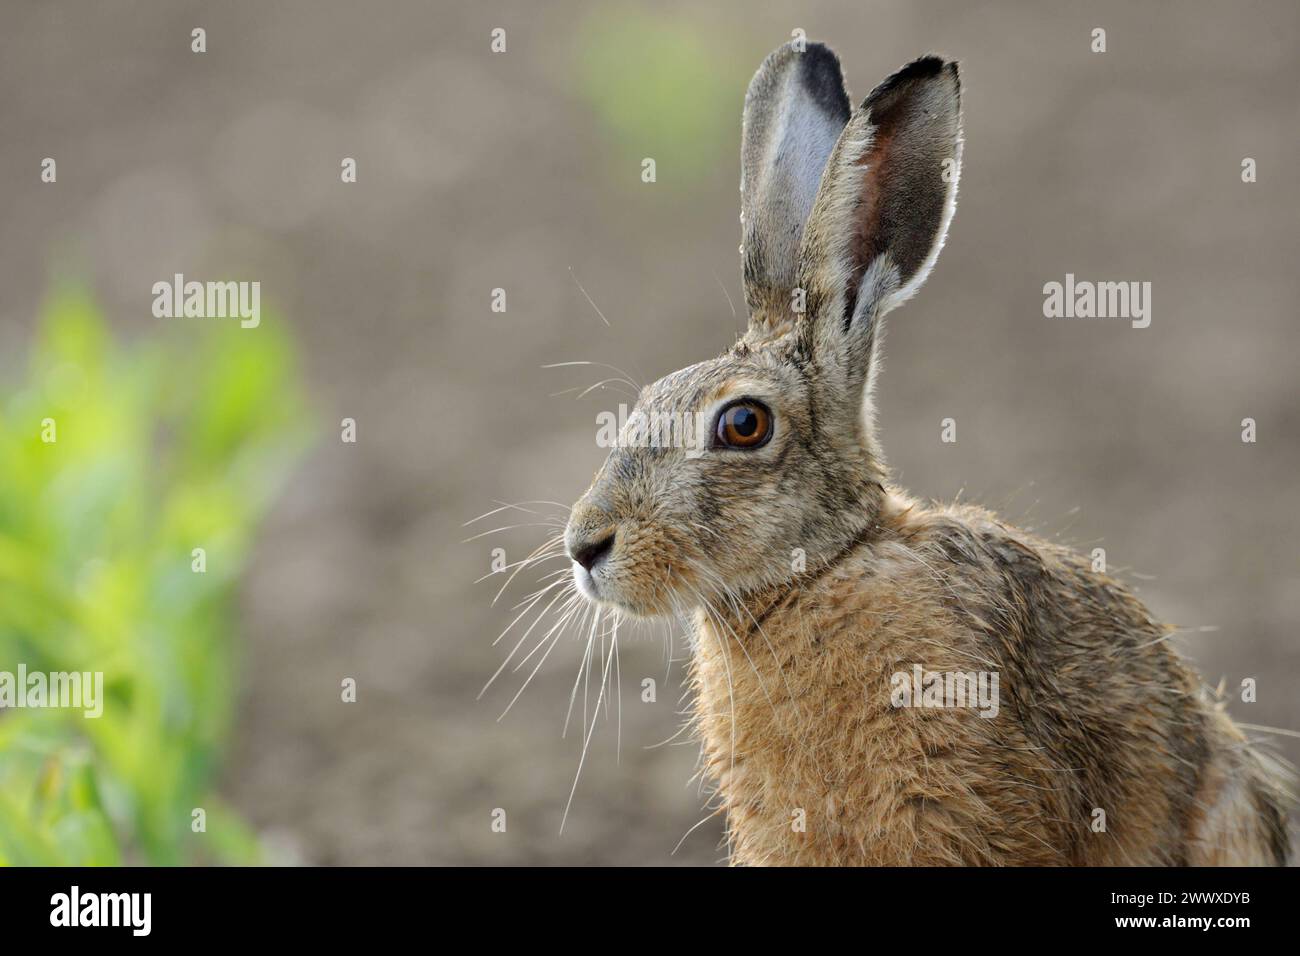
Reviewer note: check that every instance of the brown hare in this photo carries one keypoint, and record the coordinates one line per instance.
(827, 606)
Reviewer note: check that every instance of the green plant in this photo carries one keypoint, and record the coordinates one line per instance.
(174, 443)
(658, 89)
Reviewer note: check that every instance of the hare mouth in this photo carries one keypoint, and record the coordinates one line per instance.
(595, 585)
(598, 586)
(585, 583)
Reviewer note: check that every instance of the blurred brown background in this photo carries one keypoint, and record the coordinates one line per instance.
(522, 171)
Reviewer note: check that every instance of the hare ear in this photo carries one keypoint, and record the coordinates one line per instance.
(888, 194)
(795, 110)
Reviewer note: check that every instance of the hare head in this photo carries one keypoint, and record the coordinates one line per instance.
(843, 214)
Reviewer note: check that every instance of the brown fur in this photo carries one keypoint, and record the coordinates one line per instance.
(1098, 712)
(809, 581)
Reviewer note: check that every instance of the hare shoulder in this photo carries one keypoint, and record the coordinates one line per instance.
(1100, 748)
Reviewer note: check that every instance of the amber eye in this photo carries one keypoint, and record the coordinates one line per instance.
(745, 424)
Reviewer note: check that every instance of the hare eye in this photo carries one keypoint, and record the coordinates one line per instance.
(745, 424)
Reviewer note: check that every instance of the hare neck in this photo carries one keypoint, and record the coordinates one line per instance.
(777, 695)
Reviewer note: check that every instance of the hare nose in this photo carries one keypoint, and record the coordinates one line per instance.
(587, 553)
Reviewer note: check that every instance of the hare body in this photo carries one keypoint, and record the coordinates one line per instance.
(812, 583)
(1096, 713)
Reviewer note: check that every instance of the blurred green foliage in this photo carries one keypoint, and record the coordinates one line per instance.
(175, 443)
(661, 90)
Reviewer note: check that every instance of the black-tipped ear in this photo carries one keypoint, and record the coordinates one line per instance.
(888, 195)
(795, 109)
